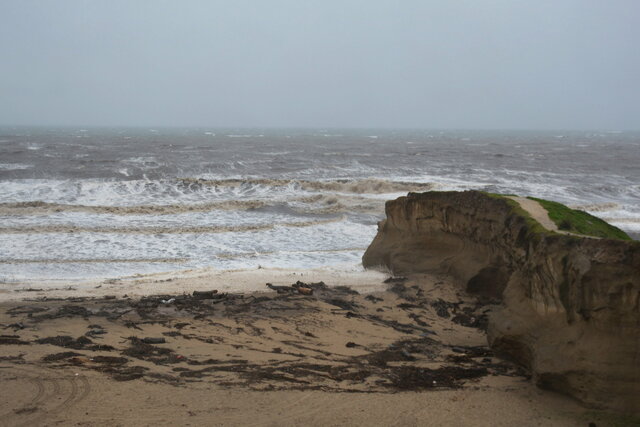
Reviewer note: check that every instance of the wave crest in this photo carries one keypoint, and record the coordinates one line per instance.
(359, 186)
(64, 228)
(43, 208)
(597, 207)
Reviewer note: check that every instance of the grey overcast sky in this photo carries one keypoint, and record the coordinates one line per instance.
(535, 64)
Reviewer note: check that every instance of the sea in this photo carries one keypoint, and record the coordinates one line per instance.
(104, 203)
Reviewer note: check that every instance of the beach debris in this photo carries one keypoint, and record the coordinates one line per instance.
(152, 340)
(396, 280)
(95, 331)
(281, 289)
(416, 378)
(72, 311)
(343, 304)
(15, 326)
(11, 340)
(206, 294)
(299, 287)
(407, 355)
(55, 357)
(130, 324)
(25, 410)
(212, 317)
(28, 310)
(142, 349)
(305, 291)
(416, 318)
(441, 307)
(302, 288)
(345, 290)
(66, 341)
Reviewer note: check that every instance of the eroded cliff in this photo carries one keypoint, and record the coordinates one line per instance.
(570, 306)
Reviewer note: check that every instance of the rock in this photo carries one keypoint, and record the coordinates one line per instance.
(570, 308)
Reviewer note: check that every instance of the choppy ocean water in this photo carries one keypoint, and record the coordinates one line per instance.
(106, 203)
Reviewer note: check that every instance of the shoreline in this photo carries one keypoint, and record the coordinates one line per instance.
(244, 281)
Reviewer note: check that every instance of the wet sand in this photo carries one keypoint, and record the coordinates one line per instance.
(411, 352)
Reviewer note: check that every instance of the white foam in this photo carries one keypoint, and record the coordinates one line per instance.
(14, 166)
(129, 193)
(147, 162)
(214, 218)
(341, 242)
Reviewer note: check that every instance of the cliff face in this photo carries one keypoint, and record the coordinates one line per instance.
(570, 307)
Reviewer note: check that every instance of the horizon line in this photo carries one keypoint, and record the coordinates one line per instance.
(271, 127)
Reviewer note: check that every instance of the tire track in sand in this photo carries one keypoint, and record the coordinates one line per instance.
(48, 390)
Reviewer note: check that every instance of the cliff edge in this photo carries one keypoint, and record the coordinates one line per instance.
(569, 305)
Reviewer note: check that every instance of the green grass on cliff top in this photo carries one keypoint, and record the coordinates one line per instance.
(567, 219)
(580, 222)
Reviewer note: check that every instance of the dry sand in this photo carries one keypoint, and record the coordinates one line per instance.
(413, 354)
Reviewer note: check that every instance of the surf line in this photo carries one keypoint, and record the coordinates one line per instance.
(90, 260)
(41, 229)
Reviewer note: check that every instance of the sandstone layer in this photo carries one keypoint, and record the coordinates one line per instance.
(569, 306)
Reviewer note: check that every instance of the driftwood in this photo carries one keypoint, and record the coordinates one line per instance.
(153, 340)
(281, 289)
(299, 287)
(206, 294)
(304, 290)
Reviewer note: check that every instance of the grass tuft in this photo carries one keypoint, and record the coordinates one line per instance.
(580, 222)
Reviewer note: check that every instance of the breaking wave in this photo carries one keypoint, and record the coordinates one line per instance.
(43, 208)
(315, 204)
(90, 260)
(68, 228)
(597, 207)
(359, 186)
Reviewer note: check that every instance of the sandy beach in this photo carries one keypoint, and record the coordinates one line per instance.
(384, 213)
(381, 351)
